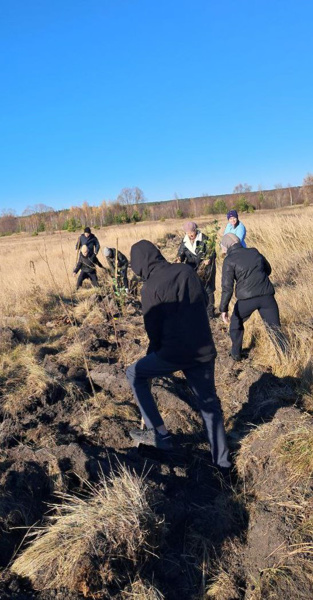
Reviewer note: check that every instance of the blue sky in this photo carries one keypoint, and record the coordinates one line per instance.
(173, 96)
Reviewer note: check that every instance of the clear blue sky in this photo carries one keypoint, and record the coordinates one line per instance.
(172, 96)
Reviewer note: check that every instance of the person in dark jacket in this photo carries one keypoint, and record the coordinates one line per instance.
(88, 239)
(254, 291)
(195, 251)
(122, 266)
(87, 267)
(174, 311)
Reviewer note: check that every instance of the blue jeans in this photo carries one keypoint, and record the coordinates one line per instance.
(200, 378)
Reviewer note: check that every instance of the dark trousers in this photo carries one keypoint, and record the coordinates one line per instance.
(210, 306)
(243, 309)
(200, 379)
(92, 276)
(209, 285)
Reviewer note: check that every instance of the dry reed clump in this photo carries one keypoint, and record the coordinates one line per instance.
(226, 574)
(223, 587)
(86, 309)
(295, 450)
(142, 590)
(285, 446)
(74, 355)
(24, 379)
(95, 540)
(101, 407)
(275, 462)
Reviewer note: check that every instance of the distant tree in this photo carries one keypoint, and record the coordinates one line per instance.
(8, 222)
(131, 196)
(219, 206)
(136, 217)
(260, 197)
(242, 205)
(241, 188)
(7, 212)
(289, 186)
(307, 189)
(41, 226)
(72, 224)
(37, 208)
(43, 208)
(279, 195)
(146, 214)
(86, 213)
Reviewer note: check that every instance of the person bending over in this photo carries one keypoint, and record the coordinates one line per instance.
(254, 291)
(194, 250)
(174, 310)
(122, 266)
(87, 267)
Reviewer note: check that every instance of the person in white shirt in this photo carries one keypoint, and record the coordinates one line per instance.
(195, 251)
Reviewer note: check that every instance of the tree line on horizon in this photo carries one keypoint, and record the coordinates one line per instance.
(132, 206)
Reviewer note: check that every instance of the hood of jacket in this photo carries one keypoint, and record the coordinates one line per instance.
(144, 258)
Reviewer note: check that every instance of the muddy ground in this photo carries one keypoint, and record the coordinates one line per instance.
(77, 427)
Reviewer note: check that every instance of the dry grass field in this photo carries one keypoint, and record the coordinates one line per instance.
(33, 268)
(107, 520)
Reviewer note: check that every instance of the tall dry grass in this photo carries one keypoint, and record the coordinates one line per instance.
(33, 268)
(93, 541)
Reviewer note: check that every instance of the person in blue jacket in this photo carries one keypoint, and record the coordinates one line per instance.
(235, 226)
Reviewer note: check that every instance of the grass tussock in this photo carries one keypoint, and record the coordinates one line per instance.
(284, 581)
(142, 590)
(287, 449)
(24, 379)
(295, 450)
(96, 412)
(226, 573)
(93, 539)
(223, 587)
(74, 355)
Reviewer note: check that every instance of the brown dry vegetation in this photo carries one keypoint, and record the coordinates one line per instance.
(66, 409)
(93, 536)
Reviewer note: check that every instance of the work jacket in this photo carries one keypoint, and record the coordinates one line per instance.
(87, 264)
(122, 261)
(250, 270)
(91, 242)
(193, 254)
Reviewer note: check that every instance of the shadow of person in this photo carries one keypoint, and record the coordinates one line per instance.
(266, 396)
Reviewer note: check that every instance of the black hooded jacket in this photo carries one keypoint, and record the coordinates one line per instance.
(174, 308)
(87, 264)
(122, 262)
(250, 270)
(91, 242)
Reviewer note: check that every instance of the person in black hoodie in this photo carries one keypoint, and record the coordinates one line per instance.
(87, 267)
(254, 291)
(88, 239)
(174, 310)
